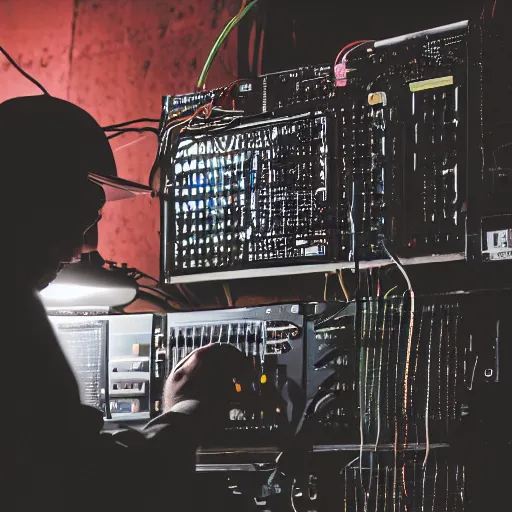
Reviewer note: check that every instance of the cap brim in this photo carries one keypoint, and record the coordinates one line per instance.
(117, 188)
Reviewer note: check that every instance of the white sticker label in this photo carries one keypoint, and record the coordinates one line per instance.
(498, 240)
(501, 255)
(308, 251)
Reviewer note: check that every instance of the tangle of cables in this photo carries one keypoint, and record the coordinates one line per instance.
(128, 126)
(219, 113)
(149, 291)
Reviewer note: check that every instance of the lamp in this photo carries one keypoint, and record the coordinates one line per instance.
(87, 284)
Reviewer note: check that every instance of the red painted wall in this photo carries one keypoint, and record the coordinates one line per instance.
(116, 58)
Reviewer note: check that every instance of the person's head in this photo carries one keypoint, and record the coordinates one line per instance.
(48, 147)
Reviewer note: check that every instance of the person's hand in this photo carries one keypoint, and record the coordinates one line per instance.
(207, 380)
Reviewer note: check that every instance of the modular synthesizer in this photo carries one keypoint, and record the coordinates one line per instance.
(317, 168)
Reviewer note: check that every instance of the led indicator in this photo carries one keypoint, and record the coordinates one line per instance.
(377, 98)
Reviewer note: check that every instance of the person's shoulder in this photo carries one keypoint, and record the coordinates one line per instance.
(25, 293)
(28, 302)
(47, 367)
(31, 315)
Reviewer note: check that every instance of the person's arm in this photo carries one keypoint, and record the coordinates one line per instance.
(61, 454)
(196, 399)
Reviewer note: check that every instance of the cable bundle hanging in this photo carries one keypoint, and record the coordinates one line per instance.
(244, 9)
(126, 127)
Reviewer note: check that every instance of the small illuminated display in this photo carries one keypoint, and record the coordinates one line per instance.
(128, 405)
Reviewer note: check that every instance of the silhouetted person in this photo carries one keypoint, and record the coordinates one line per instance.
(61, 461)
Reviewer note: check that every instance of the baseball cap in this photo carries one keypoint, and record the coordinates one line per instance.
(58, 146)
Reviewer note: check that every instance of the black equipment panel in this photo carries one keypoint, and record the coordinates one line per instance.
(321, 164)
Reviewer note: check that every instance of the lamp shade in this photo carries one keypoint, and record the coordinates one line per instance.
(87, 285)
